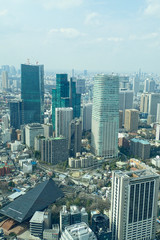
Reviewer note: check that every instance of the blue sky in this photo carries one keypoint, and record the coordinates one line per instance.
(98, 35)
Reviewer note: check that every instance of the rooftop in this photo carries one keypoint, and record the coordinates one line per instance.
(38, 217)
(137, 174)
(139, 140)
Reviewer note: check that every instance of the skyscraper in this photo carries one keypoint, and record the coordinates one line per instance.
(62, 120)
(105, 116)
(16, 114)
(86, 113)
(4, 80)
(131, 120)
(134, 204)
(60, 95)
(75, 136)
(65, 96)
(125, 100)
(32, 92)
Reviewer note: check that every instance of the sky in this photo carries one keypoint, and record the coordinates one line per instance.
(97, 35)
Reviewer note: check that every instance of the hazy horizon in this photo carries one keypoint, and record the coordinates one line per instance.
(97, 35)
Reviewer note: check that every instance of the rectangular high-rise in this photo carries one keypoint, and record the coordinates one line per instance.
(65, 96)
(32, 92)
(131, 120)
(63, 117)
(16, 113)
(134, 202)
(105, 116)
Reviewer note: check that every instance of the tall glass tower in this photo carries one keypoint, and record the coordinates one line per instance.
(32, 92)
(65, 96)
(60, 95)
(105, 116)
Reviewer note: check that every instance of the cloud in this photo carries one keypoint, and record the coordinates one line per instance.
(92, 19)
(66, 32)
(61, 4)
(115, 39)
(153, 8)
(3, 12)
(144, 37)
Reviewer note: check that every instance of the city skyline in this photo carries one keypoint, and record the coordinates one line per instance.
(124, 36)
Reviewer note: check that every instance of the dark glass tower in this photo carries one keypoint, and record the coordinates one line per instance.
(32, 92)
(16, 114)
(60, 95)
(75, 99)
(65, 96)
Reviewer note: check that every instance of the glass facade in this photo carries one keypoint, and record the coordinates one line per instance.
(32, 92)
(65, 96)
(105, 116)
(16, 114)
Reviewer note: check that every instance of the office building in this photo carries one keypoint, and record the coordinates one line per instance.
(86, 114)
(158, 113)
(75, 99)
(54, 150)
(60, 95)
(120, 118)
(75, 136)
(79, 231)
(105, 116)
(64, 218)
(140, 148)
(136, 82)
(5, 80)
(144, 105)
(75, 215)
(32, 92)
(134, 205)
(158, 132)
(131, 120)
(16, 114)
(125, 100)
(48, 130)
(37, 224)
(149, 85)
(51, 234)
(5, 121)
(124, 82)
(80, 86)
(154, 99)
(31, 131)
(63, 117)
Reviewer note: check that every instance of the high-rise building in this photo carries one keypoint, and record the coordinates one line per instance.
(54, 150)
(124, 82)
(48, 130)
(149, 85)
(4, 80)
(144, 103)
(140, 148)
(32, 92)
(125, 100)
(31, 131)
(16, 114)
(154, 99)
(75, 136)
(134, 205)
(60, 95)
(105, 116)
(63, 117)
(158, 113)
(120, 118)
(158, 132)
(131, 120)
(86, 114)
(80, 86)
(75, 99)
(136, 84)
